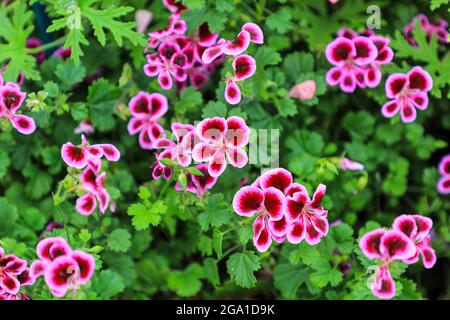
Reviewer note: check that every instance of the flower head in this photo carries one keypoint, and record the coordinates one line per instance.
(443, 185)
(198, 184)
(407, 92)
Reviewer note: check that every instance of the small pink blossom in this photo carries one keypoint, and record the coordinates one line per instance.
(36, 43)
(304, 90)
(443, 185)
(14, 273)
(347, 164)
(11, 100)
(221, 140)
(439, 29)
(143, 19)
(408, 92)
(146, 110)
(198, 184)
(84, 127)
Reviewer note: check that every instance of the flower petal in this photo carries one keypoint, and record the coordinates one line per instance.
(135, 125)
(396, 245)
(419, 79)
(334, 75)
(390, 108)
(274, 203)
(212, 129)
(237, 157)
(248, 201)
(278, 178)
(419, 100)
(239, 45)
(256, 34)
(73, 156)
(406, 224)
(238, 133)
(165, 80)
(86, 204)
(110, 152)
(295, 231)
(23, 124)
(370, 243)
(232, 92)
(395, 83)
(408, 112)
(244, 67)
(261, 235)
(366, 51)
(339, 50)
(86, 265)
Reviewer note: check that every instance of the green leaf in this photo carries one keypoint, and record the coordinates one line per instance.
(214, 109)
(194, 171)
(288, 279)
(211, 271)
(360, 124)
(343, 236)
(186, 283)
(324, 274)
(84, 235)
(280, 21)
(217, 242)
(241, 267)
(144, 215)
(108, 284)
(38, 185)
(119, 240)
(305, 253)
(69, 73)
(216, 214)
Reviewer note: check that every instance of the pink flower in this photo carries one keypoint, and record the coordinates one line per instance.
(443, 185)
(198, 184)
(175, 6)
(181, 150)
(62, 267)
(13, 274)
(84, 127)
(284, 210)
(347, 164)
(407, 92)
(439, 29)
(36, 43)
(11, 99)
(94, 185)
(146, 110)
(143, 19)
(79, 157)
(304, 90)
(349, 57)
(159, 169)
(63, 53)
(384, 56)
(417, 228)
(220, 140)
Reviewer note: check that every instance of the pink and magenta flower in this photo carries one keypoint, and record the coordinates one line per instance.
(146, 110)
(443, 185)
(283, 208)
(408, 238)
(63, 269)
(11, 100)
(13, 274)
(87, 154)
(198, 184)
(439, 29)
(221, 140)
(346, 164)
(407, 92)
(94, 184)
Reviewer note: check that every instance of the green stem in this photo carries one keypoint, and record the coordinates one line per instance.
(163, 190)
(56, 43)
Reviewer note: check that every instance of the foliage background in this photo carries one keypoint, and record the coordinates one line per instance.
(163, 244)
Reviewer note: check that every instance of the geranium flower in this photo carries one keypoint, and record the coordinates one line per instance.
(349, 57)
(443, 185)
(308, 219)
(11, 99)
(198, 184)
(10, 269)
(220, 140)
(347, 164)
(96, 191)
(439, 29)
(62, 267)
(88, 155)
(180, 150)
(84, 127)
(146, 110)
(386, 246)
(407, 92)
(268, 204)
(384, 56)
(159, 169)
(417, 228)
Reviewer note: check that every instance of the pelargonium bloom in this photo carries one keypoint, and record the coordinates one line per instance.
(10, 269)
(159, 169)
(268, 204)
(418, 229)
(11, 100)
(220, 140)
(87, 154)
(384, 56)
(443, 185)
(347, 164)
(439, 29)
(180, 150)
(407, 92)
(349, 57)
(198, 184)
(62, 267)
(146, 110)
(94, 185)
(386, 246)
(304, 90)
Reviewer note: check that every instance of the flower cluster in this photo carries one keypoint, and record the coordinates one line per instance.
(357, 59)
(88, 157)
(146, 109)
(221, 139)
(439, 29)
(14, 274)
(284, 209)
(11, 100)
(443, 185)
(408, 92)
(408, 238)
(244, 66)
(63, 268)
(178, 56)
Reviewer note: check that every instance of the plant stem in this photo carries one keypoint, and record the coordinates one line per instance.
(56, 43)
